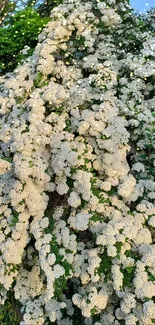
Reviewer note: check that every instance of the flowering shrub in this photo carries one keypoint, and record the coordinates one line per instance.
(77, 171)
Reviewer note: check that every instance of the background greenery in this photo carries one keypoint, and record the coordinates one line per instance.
(20, 24)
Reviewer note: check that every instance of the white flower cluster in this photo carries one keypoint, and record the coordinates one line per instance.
(93, 299)
(77, 186)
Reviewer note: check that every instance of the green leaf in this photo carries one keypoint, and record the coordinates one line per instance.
(68, 251)
(96, 217)
(130, 269)
(94, 311)
(60, 285)
(119, 245)
(105, 266)
(96, 191)
(50, 228)
(14, 219)
(151, 277)
(26, 130)
(112, 191)
(8, 159)
(103, 200)
(70, 182)
(38, 79)
(68, 126)
(21, 202)
(128, 275)
(133, 255)
(147, 299)
(68, 267)
(104, 137)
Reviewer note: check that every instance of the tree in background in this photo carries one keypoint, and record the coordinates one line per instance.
(22, 30)
(46, 6)
(6, 6)
(20, 24)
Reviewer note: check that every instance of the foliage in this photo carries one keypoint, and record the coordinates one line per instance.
(6, 6)
(22, 30)
(44, 8)
(10, 312)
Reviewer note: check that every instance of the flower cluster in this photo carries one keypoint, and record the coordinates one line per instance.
(77, 157)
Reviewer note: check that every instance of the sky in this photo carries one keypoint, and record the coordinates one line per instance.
(142, 5)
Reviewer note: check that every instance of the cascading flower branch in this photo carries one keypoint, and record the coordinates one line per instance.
(77, 187)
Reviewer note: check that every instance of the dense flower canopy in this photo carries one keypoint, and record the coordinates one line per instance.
(77, 124)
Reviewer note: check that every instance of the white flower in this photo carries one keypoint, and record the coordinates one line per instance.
(143, 236)
(151, 221)
(51, 258)
(84, 126)
(149, 309)
(127, 303)
(62, 188)
(130, 319)
(99, 300)
(112, 251)
(4, 166)
(138, 167)
(58, 271)
(44, 223)
(74, 200)
(76, 299)
(85, 278)
(117, 277)
(125, 189)
(82, 221)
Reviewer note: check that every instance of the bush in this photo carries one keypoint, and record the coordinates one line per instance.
(77, 170)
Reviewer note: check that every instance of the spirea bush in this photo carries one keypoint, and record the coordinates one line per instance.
(77, 132)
